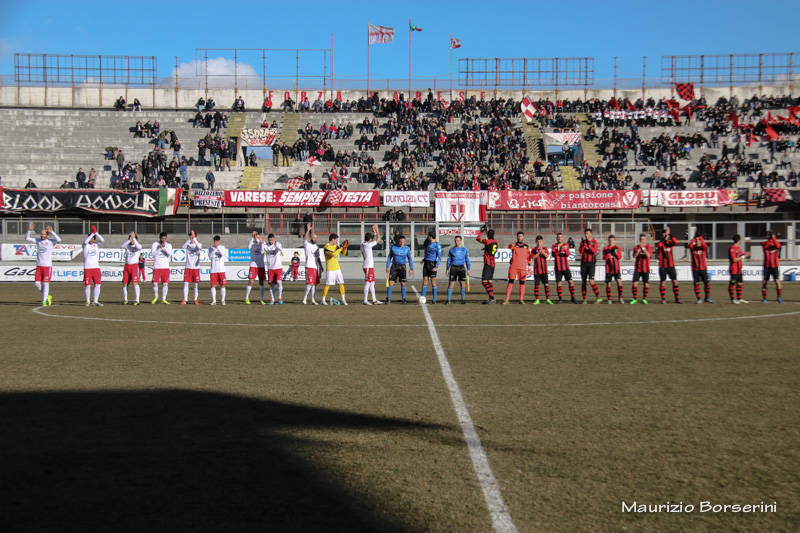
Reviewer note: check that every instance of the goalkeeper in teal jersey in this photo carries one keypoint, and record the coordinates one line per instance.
(396, 260)
(430, 264)
(458, 269)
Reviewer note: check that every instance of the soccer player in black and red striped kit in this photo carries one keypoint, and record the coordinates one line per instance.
(489, 249)
(588, 250)
(561, 257)
(772, 263)
(735, 258)
(699, 250)
(642, 253)
(666, 266)
(612, 254)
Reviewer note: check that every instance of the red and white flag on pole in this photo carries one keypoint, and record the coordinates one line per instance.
(455, 43)
(313, 162)
(528, 108)
(380, 34)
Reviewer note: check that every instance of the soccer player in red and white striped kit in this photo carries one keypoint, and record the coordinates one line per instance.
(539, 258)
(612, 254)
(772, 264)
(666, 266)
(699, 251)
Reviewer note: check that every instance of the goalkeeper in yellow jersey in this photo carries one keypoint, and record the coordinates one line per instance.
(333, 270)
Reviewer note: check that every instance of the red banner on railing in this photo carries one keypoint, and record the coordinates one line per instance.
(700, 198)
(563, 200)
(336, 198)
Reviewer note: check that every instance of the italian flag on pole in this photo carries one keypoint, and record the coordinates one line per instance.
(411, 27)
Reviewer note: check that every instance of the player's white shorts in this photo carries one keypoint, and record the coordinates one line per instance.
(333, 277)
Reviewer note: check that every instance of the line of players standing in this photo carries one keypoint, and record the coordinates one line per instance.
(525, 260)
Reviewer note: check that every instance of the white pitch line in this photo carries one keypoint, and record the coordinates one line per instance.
(38, 311)
(501, 519)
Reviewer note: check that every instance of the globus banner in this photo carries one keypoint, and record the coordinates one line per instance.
(27, 252)
(698, 198)
(336, 198)
(563, 200)
(406, 198)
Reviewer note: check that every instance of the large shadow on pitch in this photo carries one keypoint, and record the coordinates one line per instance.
(173, 460)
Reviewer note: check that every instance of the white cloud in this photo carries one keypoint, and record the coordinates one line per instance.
(218, 67)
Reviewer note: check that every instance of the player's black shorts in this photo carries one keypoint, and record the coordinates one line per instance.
(428, 269)
(700, 275)
(663, 272)
(488, 273)
(643, 276)
(563, 274)
(736, 278)
(613, 275)
(587, 271)
(397, 273)
(771, 272)
(458, 273)
(540, 278)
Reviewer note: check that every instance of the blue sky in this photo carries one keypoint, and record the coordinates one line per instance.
(629, 30)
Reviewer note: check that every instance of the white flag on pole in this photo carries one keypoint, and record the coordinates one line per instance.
(380, 34)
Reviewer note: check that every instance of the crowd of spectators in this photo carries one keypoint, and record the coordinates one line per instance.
(411, 145)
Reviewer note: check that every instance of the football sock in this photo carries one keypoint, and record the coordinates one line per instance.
(463, 293)
(341, 289)
(403, 291)
(366, 291)
(261, 292)
(45, 290)
(522, 293)
(136, 291)
(164, 288)
(213, 294)
(559, 291)
(697, 290)
(389, 292)
(508, 291)
(619, 291)
(583, 290)
(645, 291)
(707, 290)
(97, 292)
(185, 291)
(608, 291)
(88, 292)
(372, 290)
(155, 290)
(572, 291)
(676, 290)
(536, 292)
(634, 290)
(595, 289)
(125, 292)
(222, 292)
(731, 287)
(435, 292)
(449, 293)
(325, 292)
(764, 292)
(547, 291)
(663, 289)
(249, 288)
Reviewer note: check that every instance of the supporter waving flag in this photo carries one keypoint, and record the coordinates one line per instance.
(685, 90)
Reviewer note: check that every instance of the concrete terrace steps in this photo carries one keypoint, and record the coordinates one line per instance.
(251, 178)
(569, 178)
(534, 142)
(590, 152)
